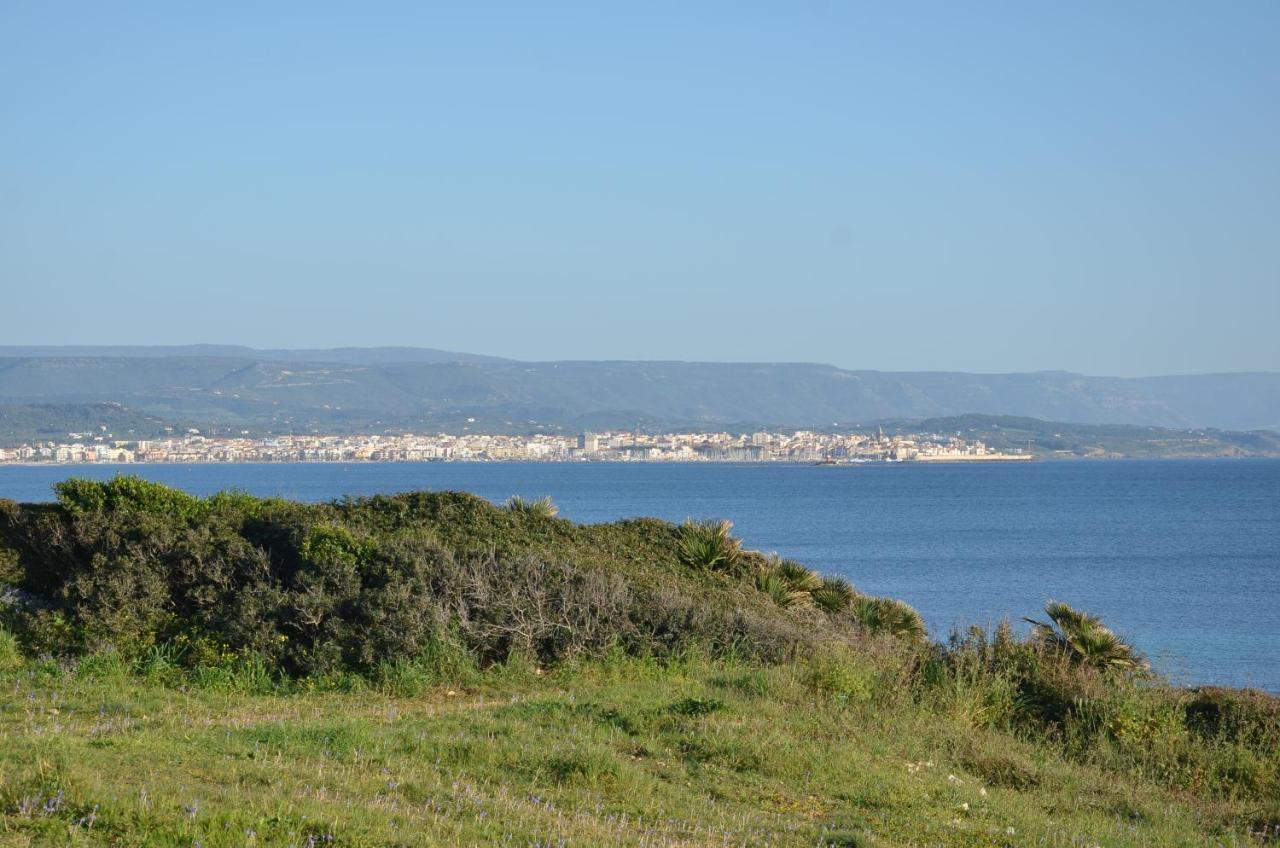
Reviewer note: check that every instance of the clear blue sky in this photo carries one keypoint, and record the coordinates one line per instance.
(987, 187)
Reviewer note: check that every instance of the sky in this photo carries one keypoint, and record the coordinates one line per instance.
(992, 187)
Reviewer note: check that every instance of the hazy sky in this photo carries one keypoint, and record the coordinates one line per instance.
(985, 187)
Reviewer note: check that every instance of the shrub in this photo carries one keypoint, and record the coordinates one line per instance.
(888, 615)
(542, 508)
(1084, 640)
(707, 545)
(178, 584)
(833, 594)
(841, 675)
(772, 582)
(797, 577)
(128, 492)
(10, 651)
(696, 707)
(1235, 715)
(10, 567)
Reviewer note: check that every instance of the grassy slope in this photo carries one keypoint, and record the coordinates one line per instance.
(857, 739)
(611, 753)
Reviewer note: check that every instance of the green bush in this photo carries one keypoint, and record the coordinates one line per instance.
(1235, 715)
(407, 592)
(708, 545)
(358, 586)
(843, 676)
(1085, 640)
(833, 594)
(797, 577)
(10, 651)
(887, 615)
(541, 508)
(11, 572)
(774, 584)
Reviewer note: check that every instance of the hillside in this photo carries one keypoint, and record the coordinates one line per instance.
(1058, 439)
(430, 669)
(21, 423)
(357, 389)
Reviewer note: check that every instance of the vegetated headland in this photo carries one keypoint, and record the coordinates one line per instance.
(432, 669)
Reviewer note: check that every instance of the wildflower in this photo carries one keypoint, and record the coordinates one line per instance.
(982, 790)
(965, 806)
(53, 804)
(951, 778)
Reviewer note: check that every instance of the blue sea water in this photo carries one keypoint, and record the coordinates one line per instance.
(1181, 557)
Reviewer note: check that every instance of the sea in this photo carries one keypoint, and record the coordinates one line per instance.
(1182, 558)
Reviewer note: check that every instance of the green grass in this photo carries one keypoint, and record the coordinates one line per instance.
(429, 669)
(613, 752)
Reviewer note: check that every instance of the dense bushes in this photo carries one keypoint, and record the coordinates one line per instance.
(315, 589)
(1098, 701)
(235, 588)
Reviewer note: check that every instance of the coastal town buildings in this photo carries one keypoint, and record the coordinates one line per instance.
(801, 446)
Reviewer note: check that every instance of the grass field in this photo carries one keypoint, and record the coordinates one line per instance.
(615, 752)
(432, 669)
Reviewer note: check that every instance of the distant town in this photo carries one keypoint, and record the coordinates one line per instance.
(801, 446)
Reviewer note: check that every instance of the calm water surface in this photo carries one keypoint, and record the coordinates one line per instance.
(1182, 557)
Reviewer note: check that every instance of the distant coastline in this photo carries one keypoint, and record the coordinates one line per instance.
(800, 446)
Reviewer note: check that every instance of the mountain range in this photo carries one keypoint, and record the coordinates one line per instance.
(363, 389)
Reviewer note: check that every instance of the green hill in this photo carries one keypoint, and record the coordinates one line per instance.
(429, 669)
(1058, 439)
(362, 389)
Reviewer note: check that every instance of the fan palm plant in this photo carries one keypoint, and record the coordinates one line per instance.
(543, 507)
(1084, 640)
(797, 577)
(833, 594)
(773, 583)
(887, 615)
(708, 545)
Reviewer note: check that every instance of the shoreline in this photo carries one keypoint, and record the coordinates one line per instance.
(1008, 460)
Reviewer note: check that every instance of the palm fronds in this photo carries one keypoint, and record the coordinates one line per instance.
(775, 585)
(708, 545)
(1084, 640)
(887, 615)
(833, 594)
(543, 507)
(797, 576)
